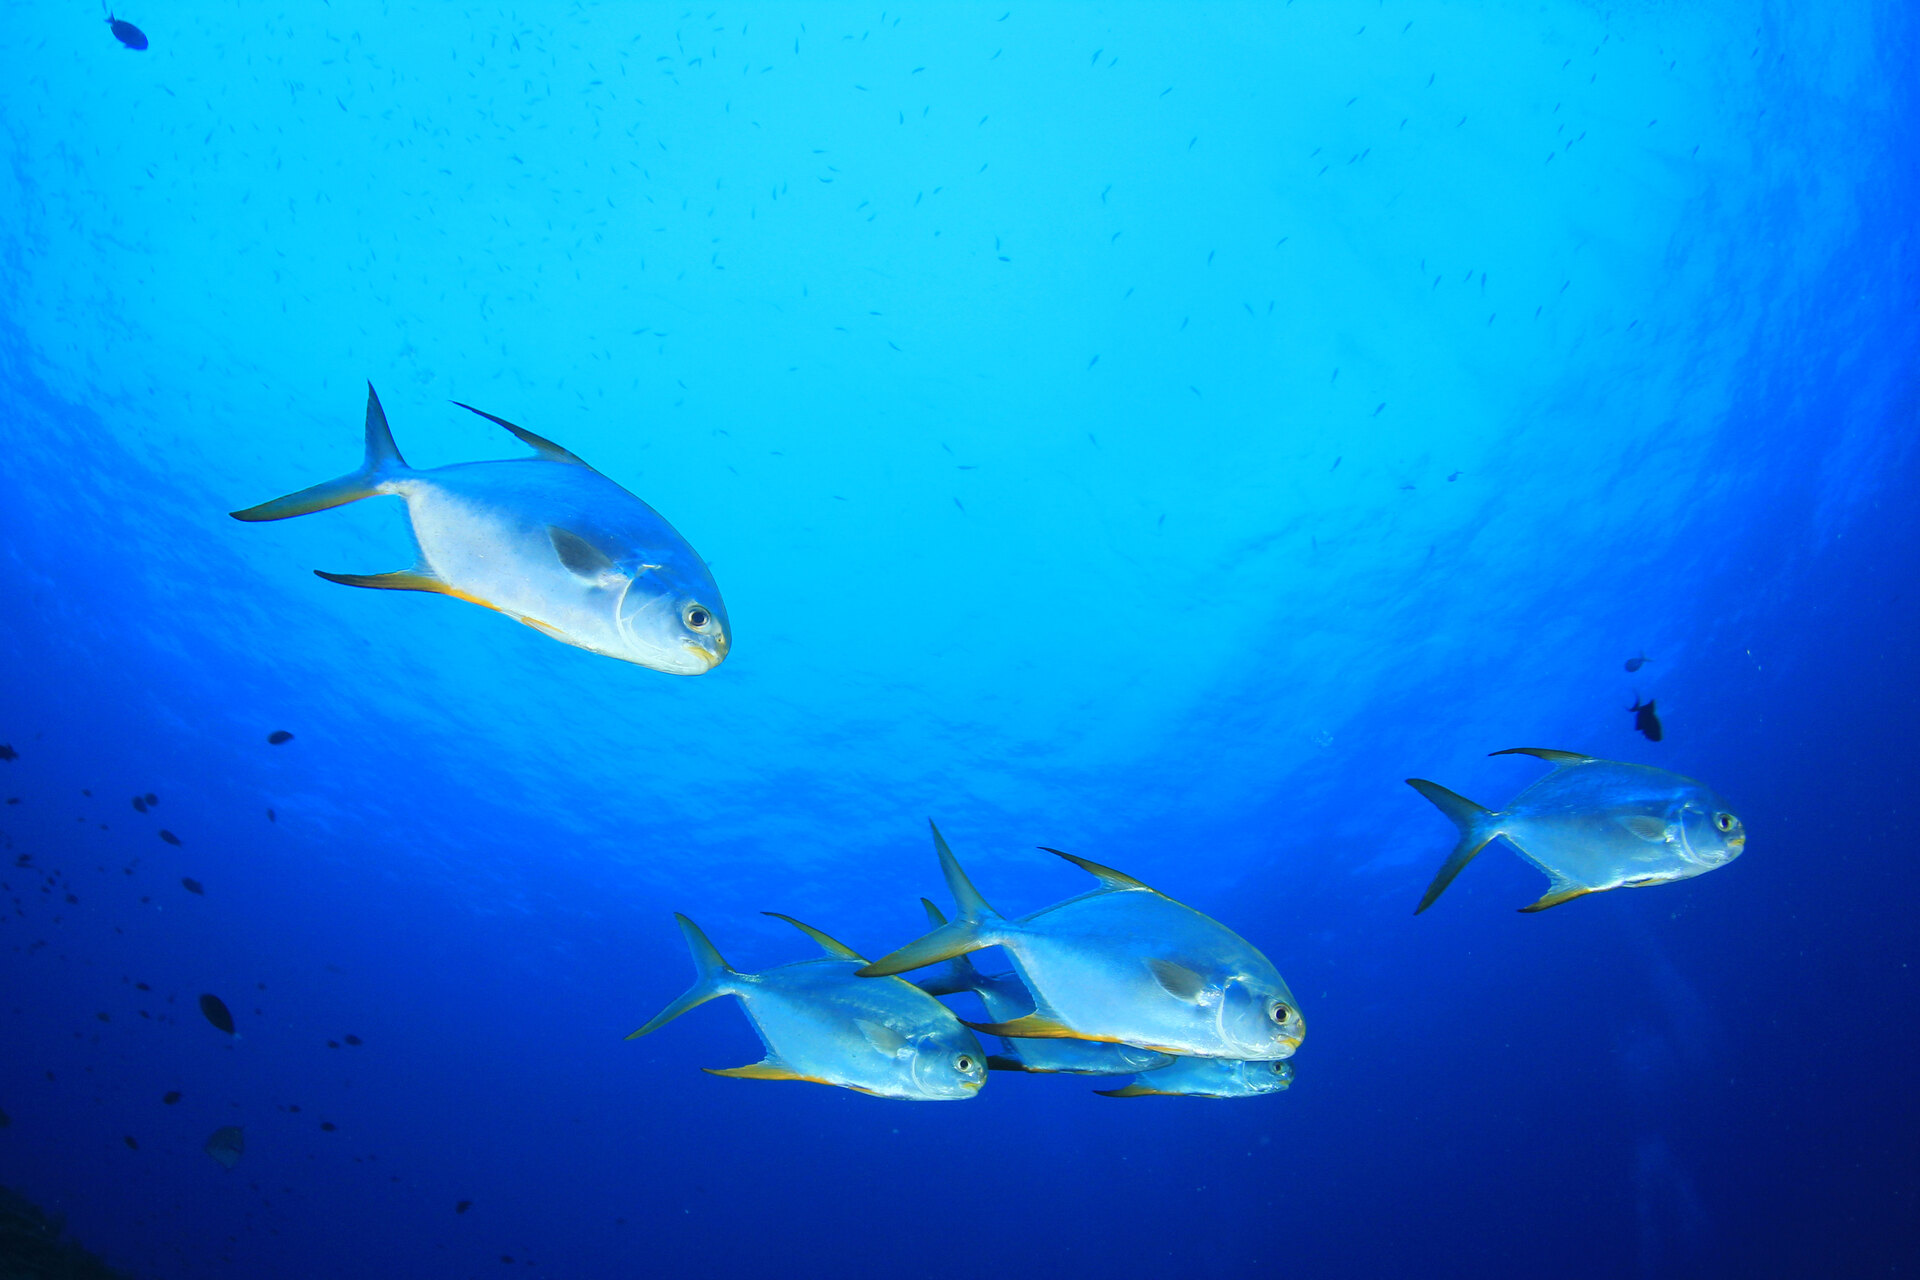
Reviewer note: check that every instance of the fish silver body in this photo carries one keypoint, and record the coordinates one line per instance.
(547, 541)
(1593, 825)
(822, 1024)
(1207, 1078)
(1122, 963)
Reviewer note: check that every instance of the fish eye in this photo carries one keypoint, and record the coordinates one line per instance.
(698, 618)
(1724, 821)
(1280, 1013)
(963, 1062)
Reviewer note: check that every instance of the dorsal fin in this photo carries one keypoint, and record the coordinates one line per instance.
(1108, 877)
(838, 950)
(539, 444)
(1546, 753)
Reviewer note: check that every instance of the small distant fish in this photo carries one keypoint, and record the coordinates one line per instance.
(131, 1144)
(271, 817)
(462, 1206)
(822, 1024)
(216, 1011)
(1207, 1078)
(140, 803)
(547, 540)
(191, 885)
(1645, 720)
(7, 752)
(226, 1145)
(1121, 963)
(279, 736)
(151, 799)
(126, 33)
(168, 836)
(172, 1096)
(1634, 664)
(329, 1126)
(1593, 825)
(353, 1039)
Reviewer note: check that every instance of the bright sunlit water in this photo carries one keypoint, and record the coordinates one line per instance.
(1150, 431)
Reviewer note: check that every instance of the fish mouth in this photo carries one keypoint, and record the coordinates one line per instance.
(707, 658)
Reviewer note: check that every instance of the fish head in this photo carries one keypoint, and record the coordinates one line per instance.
(1258, 1018)
(1260, 1077)
(947, 1065)
(673, 622)
(1710, 833)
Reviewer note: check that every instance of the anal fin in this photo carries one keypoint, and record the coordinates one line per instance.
(769, 1068)
(404, 580)
(1034, 1026)
(1561, 891)
(1136, 1091)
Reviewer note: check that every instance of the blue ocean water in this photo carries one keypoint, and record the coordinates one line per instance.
(1152, 432)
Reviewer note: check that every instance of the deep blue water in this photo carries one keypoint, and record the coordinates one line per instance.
(1150, 432)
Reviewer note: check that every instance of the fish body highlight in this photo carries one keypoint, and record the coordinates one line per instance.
(821, 1024)
(1207, 1078)
(1121, 963)
(1592, 825)
(547, 540)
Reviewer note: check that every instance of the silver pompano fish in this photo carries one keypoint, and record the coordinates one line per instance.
(1207, 1078)
(547, 540)
(1120, 963)
(1007, 1000)
(1593, 825)
(823, 1025)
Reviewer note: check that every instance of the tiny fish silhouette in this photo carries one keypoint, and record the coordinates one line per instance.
(1645, 720)
(353, 1039)
(1634, 664)
(279, 736)
(216, 1011)
(7, 752)
(271, 817)
(151, 799)
(4, 1120)
(172, 1096)
(140, 803)
(462, 1206)
(126, 33)
(191, 885)
(131, 1144)
(168, 836)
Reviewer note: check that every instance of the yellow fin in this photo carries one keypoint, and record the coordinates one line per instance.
(765, 1069)
(1107, 876)
(1033, 1027)
(1558, 896)
(404, 580)
(1138, 1091)
(1548, 754)
(832, 946)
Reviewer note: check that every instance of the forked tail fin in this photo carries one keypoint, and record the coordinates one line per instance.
(383, 463)
(1477, 827)
(712, 977)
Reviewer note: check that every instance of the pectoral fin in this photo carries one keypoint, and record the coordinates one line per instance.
(1561, 891)
(1646, 826)
(582, 558)
(768, 1068)
(881, 1037)
(1177, 980)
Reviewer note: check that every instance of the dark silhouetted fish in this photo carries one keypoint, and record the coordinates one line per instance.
(271, 817)
(463, 1206)
(1634, 664)
(127, 34)
(140, 803)
(216, 1010)
(172, 1096)
(7, 752)
(353, 1039)
(168, 836)
(226, 1145)
(131, 1144)
(191, 885)
(1644, 718)
(328, 1125)
(151, 799)
(279, 736)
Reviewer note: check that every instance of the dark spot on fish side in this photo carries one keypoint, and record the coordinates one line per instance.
(168, 836)
(191, 885)
(279, 736)
(129, 35)
(216, 1012)
(172, 1096)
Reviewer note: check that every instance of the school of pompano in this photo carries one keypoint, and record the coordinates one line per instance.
(546, 540)
(1593, 825)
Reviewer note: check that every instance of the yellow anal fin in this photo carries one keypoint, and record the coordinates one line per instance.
(546, 629)
(1035, 1027)
(765, 1069)
(1559, 896)
(404, 580)
(1139, 1091)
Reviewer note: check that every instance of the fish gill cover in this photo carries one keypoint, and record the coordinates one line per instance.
(1150, 433)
